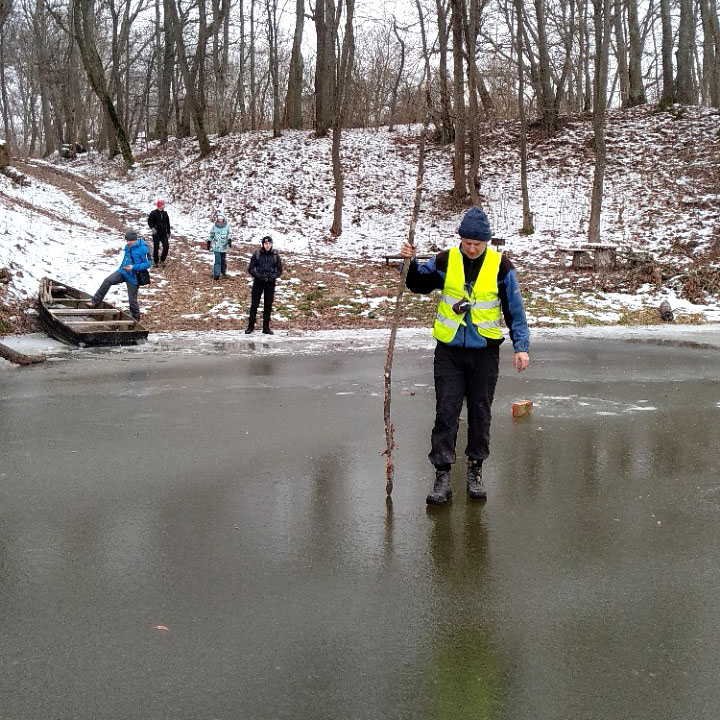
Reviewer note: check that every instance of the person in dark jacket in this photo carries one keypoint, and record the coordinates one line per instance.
(265, 267)
(477, 284)
(159, 223)
(136, 257)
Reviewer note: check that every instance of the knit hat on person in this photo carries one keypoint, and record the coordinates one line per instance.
(475, 225)
(267, 238)
(131, 235)
(160, 203)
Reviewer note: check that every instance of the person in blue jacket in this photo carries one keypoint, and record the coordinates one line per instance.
(477, 284)
(136, 257)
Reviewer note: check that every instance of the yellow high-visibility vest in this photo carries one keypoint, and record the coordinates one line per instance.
(484, 299)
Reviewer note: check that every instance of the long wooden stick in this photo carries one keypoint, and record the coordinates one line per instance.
(389, 429)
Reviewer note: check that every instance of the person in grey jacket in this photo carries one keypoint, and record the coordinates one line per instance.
(265, 267)
(219, 242)
(136, 257)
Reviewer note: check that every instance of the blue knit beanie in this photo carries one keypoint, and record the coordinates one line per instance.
(475, 225)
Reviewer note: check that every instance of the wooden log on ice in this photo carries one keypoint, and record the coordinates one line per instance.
(19, 358)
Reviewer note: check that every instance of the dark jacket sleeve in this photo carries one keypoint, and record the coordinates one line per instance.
(278, 267)
(423, 278)
(152, 219)
(512, 306)
(252, 265)
(167, 223)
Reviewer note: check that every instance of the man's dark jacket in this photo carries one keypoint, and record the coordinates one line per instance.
(265, 265)
(160, 221)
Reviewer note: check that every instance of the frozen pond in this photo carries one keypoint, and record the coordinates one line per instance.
(193, 535)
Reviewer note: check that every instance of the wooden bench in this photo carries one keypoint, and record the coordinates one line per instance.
(602, 256)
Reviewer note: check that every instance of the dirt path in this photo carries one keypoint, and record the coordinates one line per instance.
(107, 211)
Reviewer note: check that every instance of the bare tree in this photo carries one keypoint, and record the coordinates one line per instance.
(527, 226)
(84, 27)
(668, 82)
(221, 57)
(398, 77)
(293, 99)
(621, 53)
(327, 19)
(456, 19)
(272, 33)
(5, 9)
(342, 91)
(601, 22)
(684, 90)
(636, 91)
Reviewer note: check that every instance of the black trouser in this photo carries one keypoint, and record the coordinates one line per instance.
(463, 373)
(259, 287)
(157, 239)
(115, 279)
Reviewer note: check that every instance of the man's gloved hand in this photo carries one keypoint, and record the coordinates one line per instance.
(229, 243)
(208, 244)
(153, 231)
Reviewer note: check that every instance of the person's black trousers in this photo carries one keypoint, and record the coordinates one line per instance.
(157, 240)
(463, 373)
(260, 287)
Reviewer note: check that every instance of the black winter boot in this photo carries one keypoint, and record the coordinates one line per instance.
(441, 491)
(475, 488)
(249, 329)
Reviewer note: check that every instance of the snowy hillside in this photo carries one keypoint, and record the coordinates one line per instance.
(662, 191)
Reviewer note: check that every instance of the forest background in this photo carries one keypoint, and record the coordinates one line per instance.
(506, 88)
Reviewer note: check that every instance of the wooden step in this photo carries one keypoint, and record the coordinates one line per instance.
(85, 311)
(85, 323)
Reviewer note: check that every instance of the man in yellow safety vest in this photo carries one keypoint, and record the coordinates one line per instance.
(477, 284)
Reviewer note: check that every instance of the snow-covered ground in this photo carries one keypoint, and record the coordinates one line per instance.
(661, 198)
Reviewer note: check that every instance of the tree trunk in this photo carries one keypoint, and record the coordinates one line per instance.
(446, 129)
(527, 226)
(220, 57)
(39, 24)
(398, 77)
(459, 188)
(272, 30)
(253, 83)
(546, 99)
(668, 89)
(636, 90)
(165, 75)
(601, 20)
(190, 97)
(684, 91)
(84, 25)
(293, 98)
(241, 71)
(325, 82)
(622, 62)
(342, 91)
(7, 123)
(471, 30)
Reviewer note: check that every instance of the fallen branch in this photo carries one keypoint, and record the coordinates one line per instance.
(19, 358)
(389, 429)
